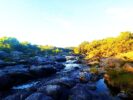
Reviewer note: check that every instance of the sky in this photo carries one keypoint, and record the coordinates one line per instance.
(64, 23)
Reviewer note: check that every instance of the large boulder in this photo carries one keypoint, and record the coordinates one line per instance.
(64, 81)
(37, 60)
(16, 55)
(3, 55)
(59, 66)
(11, 63)
(12, 75)
(2, 63)
(111, 62)
(87, 92)
(78, 61)
(42, 70)
(95, 77)
(18, 96)
(54, 91)
(38, 96)
(23, 61)
(128, 67)
(122, 96)
(71, 57)
(5, 81)
(84, 77)
(80, 92)
(16, 69)
(7, 63)
(60, 58)
(18, 73)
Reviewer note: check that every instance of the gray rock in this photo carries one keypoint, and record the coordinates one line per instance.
(52, 90)
(77, 61)
(65, 81)
(2, 63)
(94, 77)
(5, 81)
(3, 54)
(18, 96)
(18, 73)
(86, 92)
(79, 92)
(38, 96)
(59, 66)
(42, 70)
(70, 57)
(91, 86)
(16, 55)
(16, 69)
(60, 58)
(84, 77)
(7, 63)
(122, 95)
(37, 60)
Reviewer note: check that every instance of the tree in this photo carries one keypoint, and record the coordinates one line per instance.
(107, 47)
(125, 35)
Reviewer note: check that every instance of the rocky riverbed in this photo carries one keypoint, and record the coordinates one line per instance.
(55, 78)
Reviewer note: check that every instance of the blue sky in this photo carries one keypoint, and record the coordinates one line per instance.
(64, 22)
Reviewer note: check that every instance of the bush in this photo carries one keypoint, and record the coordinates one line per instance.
(10, 44)
(107, 47)
(121, 79)
(126, 56)
(94, 70)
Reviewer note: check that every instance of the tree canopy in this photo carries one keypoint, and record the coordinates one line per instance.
(106, 47)
(9, 44)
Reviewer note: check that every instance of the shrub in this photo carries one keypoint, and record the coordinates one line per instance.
(107, 47)
(126, 56)
(121, 79)
(94, 70)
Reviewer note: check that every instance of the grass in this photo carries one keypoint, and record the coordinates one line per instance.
(94, 70)
(122, 80)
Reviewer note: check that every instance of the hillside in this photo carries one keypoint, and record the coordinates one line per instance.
(114, 56)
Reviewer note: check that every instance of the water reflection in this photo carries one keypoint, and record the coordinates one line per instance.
(25, 86)
(101, 86)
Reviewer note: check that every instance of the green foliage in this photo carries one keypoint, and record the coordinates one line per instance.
(94, 70)
(121, 79)
(120, 47)
(76, 50)
(126, 56)
(125, 35)
(57, 50)
(9, 44)
(107, 47)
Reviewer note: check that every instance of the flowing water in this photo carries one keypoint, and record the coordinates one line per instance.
(101, 86)
(26, 85)
(69, 66)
